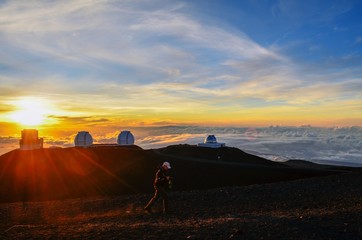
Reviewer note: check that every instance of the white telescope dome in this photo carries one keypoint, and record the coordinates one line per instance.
(211, 142)
(210, 139)
(125, 138)
(83, 139)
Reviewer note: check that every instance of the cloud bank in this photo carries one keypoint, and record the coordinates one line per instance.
(339, 146)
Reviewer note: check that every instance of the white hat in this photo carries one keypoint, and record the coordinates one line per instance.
(166, 164)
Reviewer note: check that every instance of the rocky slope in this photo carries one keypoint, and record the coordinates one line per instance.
(315, 208)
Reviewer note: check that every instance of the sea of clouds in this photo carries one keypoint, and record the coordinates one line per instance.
(338, 146)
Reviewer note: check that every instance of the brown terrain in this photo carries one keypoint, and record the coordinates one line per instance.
(99, 193)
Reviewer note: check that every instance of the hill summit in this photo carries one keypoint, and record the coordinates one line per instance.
(59, 173)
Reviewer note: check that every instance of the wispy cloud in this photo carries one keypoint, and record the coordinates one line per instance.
(359, 40)
(127, 58)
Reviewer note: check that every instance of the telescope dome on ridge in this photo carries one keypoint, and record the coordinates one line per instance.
(83, 139)
(210, 139)
(211, 142)
(125, 138)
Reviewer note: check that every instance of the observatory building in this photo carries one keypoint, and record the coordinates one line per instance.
(29, 140)
(125, 138)
(211, 142)
(83, 139)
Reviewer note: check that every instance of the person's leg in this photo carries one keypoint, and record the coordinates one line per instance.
(153, 199)
(163, 193)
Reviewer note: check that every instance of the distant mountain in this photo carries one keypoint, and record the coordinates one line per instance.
(58, 173)
(297, 163)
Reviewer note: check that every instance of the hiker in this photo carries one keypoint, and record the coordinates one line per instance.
(161, 184)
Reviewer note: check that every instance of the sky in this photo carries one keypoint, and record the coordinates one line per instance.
(103, 66)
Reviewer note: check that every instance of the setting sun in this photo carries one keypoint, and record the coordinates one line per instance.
(31, 112)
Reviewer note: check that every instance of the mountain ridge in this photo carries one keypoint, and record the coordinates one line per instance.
(59, 173)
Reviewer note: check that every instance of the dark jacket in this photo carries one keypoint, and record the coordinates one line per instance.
(161, 178)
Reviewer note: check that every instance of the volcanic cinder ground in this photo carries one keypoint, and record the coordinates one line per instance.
(218, 194)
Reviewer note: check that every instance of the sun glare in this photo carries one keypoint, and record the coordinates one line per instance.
(31, 112)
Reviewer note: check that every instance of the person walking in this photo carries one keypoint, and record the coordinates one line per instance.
(161, 184)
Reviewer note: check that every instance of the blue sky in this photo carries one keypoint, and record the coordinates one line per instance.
(306, 31)
(224, 63)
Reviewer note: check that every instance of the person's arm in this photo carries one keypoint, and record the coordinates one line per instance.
(160, 177)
